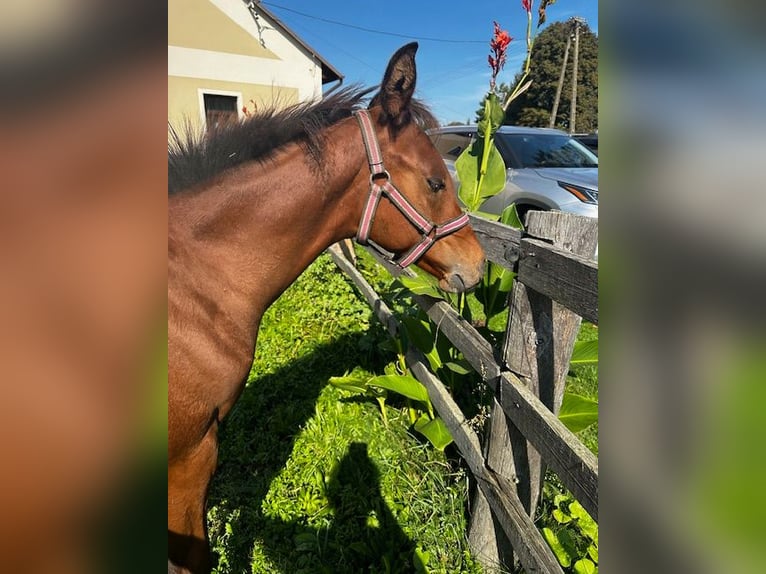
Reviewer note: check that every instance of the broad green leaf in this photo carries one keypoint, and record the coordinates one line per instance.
(421, 284)
(510, 217)
(352, 383)
(493, 117)
(498, 280)
(585, 566)
(593, 552)
(419, 334)
(501, 279)
(485, 215)
(558, 549)
(566, 540)
(584, 353)
(468, 166)
(405, 385)
(435, 431)
(578, 413)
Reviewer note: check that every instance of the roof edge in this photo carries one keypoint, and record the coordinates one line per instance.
(329, 72)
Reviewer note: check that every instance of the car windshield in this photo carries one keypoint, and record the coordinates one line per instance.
(543, 150)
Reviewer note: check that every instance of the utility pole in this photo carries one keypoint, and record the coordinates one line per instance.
(573, 109)
(555, 109)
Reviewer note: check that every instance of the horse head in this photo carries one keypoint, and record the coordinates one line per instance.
(412, 215)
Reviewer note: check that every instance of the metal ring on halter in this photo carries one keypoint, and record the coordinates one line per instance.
(383, 173)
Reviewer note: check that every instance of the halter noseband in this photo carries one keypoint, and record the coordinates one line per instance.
(429, 231)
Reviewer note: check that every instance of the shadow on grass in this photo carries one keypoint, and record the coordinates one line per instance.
(257, 440)
(363, 535)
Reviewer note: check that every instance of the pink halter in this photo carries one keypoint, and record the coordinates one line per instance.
(430, 232)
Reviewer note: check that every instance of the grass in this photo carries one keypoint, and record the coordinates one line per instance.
(310, 479)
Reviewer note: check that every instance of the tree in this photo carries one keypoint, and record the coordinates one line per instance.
(533, 107)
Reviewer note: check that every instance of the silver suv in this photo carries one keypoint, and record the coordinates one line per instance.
(546, 169)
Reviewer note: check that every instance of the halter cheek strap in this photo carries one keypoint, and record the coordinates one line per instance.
(380, 185)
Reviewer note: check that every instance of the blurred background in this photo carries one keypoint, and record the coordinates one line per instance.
(83, 218)
(682, 258)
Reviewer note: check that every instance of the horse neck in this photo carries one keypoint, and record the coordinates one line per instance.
(260, 225)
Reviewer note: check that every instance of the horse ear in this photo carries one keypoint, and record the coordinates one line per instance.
(398, 85)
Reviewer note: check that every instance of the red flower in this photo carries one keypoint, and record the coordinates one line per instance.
(500, 40)
(499, 45)
(527, 5)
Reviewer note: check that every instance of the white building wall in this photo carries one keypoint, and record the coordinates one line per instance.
(295, 70)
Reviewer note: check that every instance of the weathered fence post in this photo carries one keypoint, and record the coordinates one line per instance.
(538, 346)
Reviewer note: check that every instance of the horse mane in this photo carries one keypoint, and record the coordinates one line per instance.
(195, 157)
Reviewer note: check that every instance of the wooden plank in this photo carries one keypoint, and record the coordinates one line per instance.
(559, 273)
(573, 233)
(576, 466)
(539, 340)
(564, 277)
(533, 552)
(488, 544)
(500, 242)
(474, 347)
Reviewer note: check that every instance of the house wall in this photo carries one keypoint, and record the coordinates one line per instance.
(217, 45)
(184, 103)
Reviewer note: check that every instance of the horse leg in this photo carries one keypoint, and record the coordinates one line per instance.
(188, 481)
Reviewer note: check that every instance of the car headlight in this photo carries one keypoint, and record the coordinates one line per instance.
(582, 193)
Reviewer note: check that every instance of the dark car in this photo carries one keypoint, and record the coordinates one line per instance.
(588, 140)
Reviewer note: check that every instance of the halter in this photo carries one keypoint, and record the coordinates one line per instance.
(429, 231)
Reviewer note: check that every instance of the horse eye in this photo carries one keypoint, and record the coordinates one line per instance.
(435, 184)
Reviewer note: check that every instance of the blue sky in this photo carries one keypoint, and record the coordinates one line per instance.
(452, 77)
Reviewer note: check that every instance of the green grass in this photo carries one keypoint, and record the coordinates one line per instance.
(310, 480)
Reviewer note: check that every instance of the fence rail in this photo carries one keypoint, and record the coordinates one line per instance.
(556, 285)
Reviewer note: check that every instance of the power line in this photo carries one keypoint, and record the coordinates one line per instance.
(372, 31)
(310, 32)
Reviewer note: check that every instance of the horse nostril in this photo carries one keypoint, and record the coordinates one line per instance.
(456, 282)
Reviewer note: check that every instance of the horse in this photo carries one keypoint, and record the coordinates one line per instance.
(251, 204)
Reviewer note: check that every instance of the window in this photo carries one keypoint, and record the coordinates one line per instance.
(220, 109)
(451, 144)
(543, 150)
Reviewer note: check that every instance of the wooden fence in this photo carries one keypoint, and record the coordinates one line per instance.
(556, 285)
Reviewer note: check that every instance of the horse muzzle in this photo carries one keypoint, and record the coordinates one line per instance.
(461, 278)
